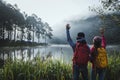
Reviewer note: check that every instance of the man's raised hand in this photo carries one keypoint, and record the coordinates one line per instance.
(68, 26)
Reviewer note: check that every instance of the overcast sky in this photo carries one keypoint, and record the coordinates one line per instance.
(55, 11)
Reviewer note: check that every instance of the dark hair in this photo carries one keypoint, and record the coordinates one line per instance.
(81, 34)
(97, 41)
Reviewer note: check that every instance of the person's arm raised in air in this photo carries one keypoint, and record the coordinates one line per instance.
(103, 38)
(70, 41)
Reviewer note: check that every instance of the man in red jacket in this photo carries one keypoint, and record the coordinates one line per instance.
(81, 54)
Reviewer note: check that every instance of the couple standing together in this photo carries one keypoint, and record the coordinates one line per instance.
(82, 54)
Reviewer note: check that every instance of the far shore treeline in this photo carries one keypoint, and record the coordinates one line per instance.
(19, 28)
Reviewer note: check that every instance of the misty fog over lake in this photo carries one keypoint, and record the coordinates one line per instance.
(40, 31)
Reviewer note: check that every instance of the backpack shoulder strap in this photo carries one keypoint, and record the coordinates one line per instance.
(77, 46)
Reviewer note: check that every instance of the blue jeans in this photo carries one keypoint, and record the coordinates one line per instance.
(100, 72)
(80, 69)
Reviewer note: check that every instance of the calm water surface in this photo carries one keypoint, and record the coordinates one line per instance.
(56, 52)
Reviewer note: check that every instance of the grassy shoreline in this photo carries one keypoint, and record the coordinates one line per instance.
(38, 69)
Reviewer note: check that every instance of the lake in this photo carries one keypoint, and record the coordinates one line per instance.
(56, 52)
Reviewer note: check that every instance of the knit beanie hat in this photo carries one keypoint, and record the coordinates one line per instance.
(97, 39)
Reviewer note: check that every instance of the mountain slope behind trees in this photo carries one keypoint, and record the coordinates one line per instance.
(90, 26)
